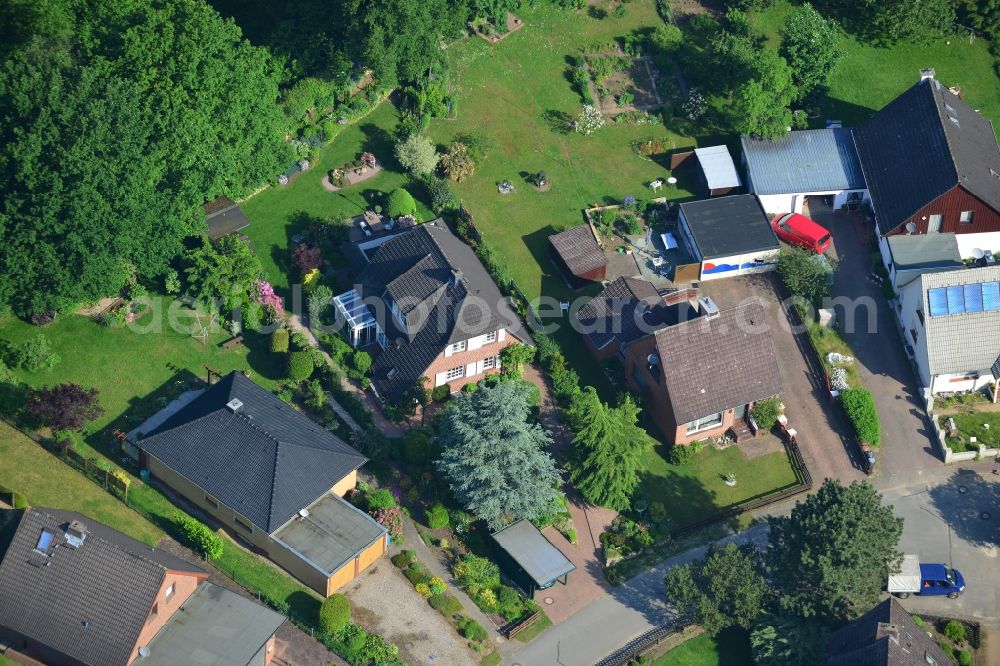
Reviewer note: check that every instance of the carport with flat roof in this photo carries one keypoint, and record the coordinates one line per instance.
(530, 559)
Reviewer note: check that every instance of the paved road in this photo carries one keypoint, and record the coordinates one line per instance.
(616, 618)
(955, 519)
(907, 453)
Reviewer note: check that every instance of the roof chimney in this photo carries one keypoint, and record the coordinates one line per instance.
(75, 534)
(235, 405)
(926, 73)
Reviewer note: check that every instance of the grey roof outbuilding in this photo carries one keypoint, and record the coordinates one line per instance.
(728, 226)
(803, 161)
(578, 249)
(88, 603)
(923, 253)
(223, 216)
(921, 145)
(258, 456)
(214, 626)
(533, 552)
(714, 363)
(718, 168)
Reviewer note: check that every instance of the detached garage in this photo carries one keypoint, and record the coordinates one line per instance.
(729, 236)
(807, 163)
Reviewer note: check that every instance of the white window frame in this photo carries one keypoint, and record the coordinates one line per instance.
(489, 362)
(455, 373)
(490, 337)
(965, 217)
(705, 423)
(169, 592)
(458, 347)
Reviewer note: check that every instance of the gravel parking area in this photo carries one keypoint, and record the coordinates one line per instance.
(384, 601)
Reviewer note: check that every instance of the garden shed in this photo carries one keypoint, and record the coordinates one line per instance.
(529, 559)
(785, 172)
(718, 171)
(579, 256)
(223, 217)
(728, 236)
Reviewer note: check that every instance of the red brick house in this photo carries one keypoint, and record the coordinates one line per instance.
(427, 308)
(76, 592)
(628, 309)
(701, 376)
(932, 165)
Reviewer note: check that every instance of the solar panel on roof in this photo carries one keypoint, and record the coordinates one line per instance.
(961, 299)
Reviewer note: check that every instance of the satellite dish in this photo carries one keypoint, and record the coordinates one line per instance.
(910, 227)
(978, 253)
(144, 651)
(672, 180)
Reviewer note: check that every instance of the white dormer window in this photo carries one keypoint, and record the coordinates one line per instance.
(491, 337)
(170, 591)
(458, 347)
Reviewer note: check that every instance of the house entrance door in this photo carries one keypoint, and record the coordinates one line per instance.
(741, 411)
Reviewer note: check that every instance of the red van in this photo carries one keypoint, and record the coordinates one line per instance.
(799, 230)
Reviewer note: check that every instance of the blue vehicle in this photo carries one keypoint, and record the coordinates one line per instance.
(926, 580)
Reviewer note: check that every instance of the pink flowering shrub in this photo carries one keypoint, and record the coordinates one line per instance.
(263, 293)
(390, 519)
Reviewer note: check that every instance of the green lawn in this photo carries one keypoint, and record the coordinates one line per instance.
(696, 491)
(133, 370)
(973, 425)
(279, 213)
(869, 77)
(46, 481)
(730, 648)
(513, 91)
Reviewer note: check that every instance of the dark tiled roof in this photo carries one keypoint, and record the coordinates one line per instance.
(884, 636)
(579, 249)
(726, 226)
(89, 603)
(819, 160)
(224, 217)
(711, 364)
(912, 152)
(446, 296)
(626, 310)
(266, 461)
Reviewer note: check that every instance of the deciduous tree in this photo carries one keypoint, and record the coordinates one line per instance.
(725, 589)
(64, 406)
(761, 107)
(810, 44)
(831, 556)
(417, 155)
(457, 162)
(495, 460)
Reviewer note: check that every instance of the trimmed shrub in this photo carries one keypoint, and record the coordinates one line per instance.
(437, 586)
(416, 575)
(680, 454)
(859, 405)
(300, 366)
(964, 658)
(381, 499)
(441, 393)
(437, 516)
(423, 590)
(362, 362)
(474, 631)
(766, 412)
(955, 631)
(199, 537)
(476, 573)
(299, 341)
(445, 604)
(334, 614)
(401, 560)
(401, 202)
(509, 603)
(279, 341)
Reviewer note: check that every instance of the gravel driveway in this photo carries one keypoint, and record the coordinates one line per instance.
(384, 601)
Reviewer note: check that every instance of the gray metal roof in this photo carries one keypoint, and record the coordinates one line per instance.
(820, 160)
(967, 342)
(711, 364)
(925, 251)
(265, 460)
(718, 167)
(333, 533)
(533, 552)
(214, 627)
(88, 603)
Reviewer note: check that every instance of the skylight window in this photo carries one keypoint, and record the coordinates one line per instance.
(961, 299)
(44, 541)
